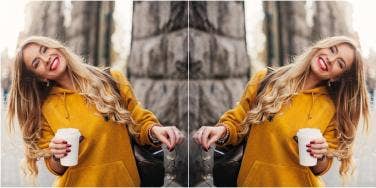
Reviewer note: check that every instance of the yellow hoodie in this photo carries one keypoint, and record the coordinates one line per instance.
(271, 157)
(105, 155)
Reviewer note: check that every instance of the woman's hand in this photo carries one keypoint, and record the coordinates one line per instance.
(318, 148)
(207, 135)
(169, 135)
(59, 148)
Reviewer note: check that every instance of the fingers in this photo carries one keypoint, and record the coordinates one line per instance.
(318, 144)
(213, 139)
(60, 155)
(198, 136)
(163, 138)
(317, 155)
(179, 135)
(318, 141)
(59, 147)
(318, 147)
(205, 137)
(319, 151)
(171, 137)
(81, 138)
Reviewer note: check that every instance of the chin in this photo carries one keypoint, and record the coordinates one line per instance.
(320, 74)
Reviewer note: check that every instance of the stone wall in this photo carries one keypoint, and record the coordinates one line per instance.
(157, 69)
(219, 70)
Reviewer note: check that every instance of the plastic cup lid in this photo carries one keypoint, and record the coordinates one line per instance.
(68, 131)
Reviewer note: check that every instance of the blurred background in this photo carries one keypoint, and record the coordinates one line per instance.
(223, 43)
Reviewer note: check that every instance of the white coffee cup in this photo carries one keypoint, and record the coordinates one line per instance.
(72, 136)
(305, 136)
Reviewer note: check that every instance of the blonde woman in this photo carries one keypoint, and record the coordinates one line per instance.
(324, 89)
(52, 88)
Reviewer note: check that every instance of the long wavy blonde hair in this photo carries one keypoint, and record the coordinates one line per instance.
(28, 92)
(349, 94)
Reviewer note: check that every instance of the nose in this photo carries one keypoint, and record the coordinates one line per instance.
(331, 58)
(45, 58)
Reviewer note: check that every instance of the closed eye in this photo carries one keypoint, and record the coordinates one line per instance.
(340, 64)
(43, 49)
(331, 50)
(35, 63)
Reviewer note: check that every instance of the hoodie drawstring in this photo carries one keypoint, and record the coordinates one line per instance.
(310, 109)
(67, 116)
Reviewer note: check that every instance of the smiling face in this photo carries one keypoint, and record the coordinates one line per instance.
(331, 63)
(46, 63)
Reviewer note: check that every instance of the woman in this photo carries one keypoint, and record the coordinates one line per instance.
(324, 89)
(52, 89)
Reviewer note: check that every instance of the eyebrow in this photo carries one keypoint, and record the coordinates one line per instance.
(335, 47)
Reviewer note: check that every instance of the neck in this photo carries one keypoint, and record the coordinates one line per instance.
(312, 81)
(65, 81)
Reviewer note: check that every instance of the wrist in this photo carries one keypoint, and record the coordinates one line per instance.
(152, 136)
(55, 159)
(225, 135)
(321, 158)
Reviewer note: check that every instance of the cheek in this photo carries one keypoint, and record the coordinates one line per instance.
(337, 72)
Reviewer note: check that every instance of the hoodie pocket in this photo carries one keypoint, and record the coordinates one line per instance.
(266, 174)
(108, 174)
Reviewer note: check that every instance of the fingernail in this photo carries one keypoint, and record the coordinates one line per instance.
(308, 145)
(69, 145)
(308, 150)
(64, 142)
(66, 154)
(311, 154)
(68, 150)
(312, 142)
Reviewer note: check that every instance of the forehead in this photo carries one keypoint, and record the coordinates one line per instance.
(347, 53)
(29, 52)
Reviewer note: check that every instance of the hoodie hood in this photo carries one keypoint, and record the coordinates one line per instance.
(316, 91)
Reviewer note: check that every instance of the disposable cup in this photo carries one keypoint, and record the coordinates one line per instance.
(305, 136)
(72, 136)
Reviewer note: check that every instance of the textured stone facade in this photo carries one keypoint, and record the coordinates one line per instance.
(157, 69)
(219, 69)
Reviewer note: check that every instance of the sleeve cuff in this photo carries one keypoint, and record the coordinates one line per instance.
(232, 135)
(144, 134)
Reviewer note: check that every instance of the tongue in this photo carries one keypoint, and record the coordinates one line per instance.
(54, 65)
(323, 66)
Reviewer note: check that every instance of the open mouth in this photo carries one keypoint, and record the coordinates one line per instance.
(322, 64)
(55, 63)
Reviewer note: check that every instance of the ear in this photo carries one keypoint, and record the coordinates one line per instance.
(333, 79)
(45, 80)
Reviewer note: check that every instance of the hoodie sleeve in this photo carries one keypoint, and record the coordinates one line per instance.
(143, 118)
(330, 134)
(47, 135)
(233, 118)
